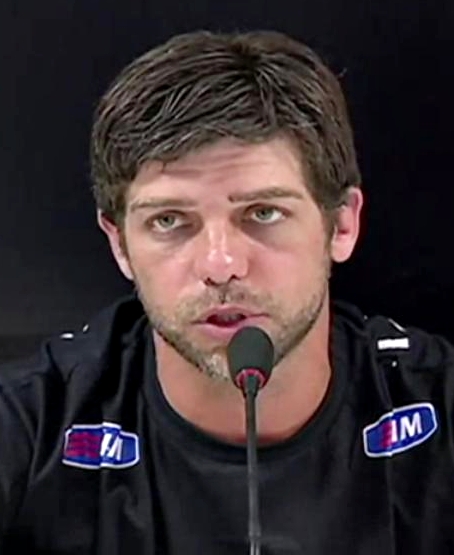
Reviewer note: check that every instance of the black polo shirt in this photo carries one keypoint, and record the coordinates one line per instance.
(93, 460)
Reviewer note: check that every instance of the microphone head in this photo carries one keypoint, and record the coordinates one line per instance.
(250, 350)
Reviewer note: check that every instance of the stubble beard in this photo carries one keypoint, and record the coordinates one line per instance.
(288, 330)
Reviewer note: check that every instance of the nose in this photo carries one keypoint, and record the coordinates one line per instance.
(222, 254)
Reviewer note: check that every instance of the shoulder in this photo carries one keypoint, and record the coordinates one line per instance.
(410, 359)
(389, 338)
(42, 396)
(77, 356)
(417, 348)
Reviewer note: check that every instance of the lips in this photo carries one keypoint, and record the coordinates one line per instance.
(227, 316)
(225, 319)
(221, 323)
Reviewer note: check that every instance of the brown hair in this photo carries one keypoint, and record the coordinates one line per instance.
(202, 86)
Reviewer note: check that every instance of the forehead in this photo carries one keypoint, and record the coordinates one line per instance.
(222, 169)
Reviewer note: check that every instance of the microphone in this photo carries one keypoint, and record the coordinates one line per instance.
(250, 356)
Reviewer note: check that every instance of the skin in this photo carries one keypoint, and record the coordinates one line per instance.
(237, 226)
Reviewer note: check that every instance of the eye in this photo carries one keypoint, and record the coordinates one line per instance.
(266, 214)
(169, 221)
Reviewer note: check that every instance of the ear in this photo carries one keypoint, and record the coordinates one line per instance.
(347, 225)
(116, 242)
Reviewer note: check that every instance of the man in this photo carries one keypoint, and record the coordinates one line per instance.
(227, 185)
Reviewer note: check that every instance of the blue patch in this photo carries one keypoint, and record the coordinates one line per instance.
(103, 445)
(400, 430)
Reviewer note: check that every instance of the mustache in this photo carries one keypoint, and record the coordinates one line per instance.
(226, 295)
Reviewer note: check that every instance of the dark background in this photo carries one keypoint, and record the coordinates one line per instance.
(58, 56)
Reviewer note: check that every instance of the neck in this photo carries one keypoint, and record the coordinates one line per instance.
(297, 386)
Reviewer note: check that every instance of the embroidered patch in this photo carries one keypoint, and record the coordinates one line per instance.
(399, 430)
(103, 445)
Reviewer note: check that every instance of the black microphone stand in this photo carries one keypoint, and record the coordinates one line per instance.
(250, 390)
(250, 355)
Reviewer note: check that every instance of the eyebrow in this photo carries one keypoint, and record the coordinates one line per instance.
(267, 193)
(161, 202)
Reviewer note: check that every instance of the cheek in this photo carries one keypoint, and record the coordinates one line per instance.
(163, 276)
(301, 259)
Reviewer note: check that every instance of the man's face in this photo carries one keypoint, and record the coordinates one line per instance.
(226, 237)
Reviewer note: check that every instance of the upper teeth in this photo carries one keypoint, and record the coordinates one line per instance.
(229, 317)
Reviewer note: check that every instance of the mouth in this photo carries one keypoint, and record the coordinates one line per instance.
(223, 323)
(225, 320)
